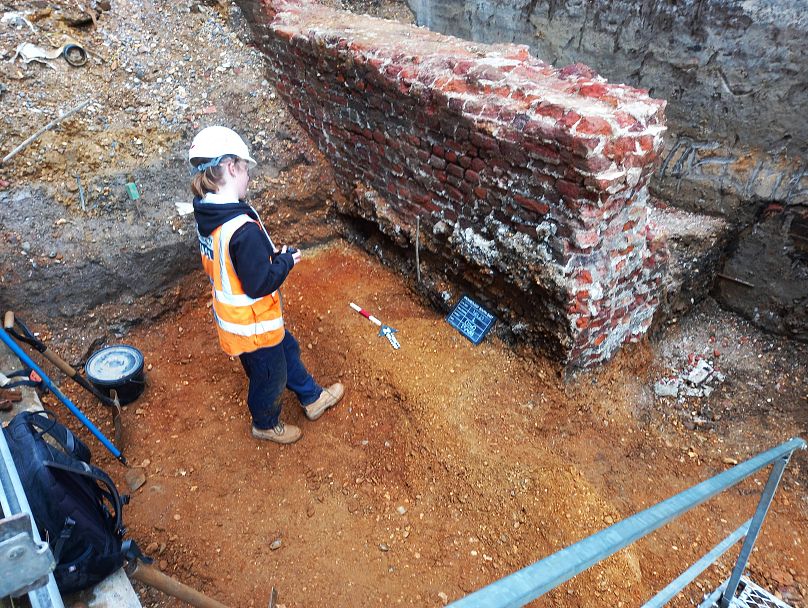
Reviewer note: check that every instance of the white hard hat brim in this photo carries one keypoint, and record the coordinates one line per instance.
(218, 141)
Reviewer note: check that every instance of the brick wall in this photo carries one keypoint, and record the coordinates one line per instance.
(530, 181)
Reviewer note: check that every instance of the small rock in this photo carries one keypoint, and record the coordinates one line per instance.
(401, 509)
(667, 387)
(135, 478)
(699, 373)
(152, 548)
(728, 460)
(162, 564)
(384, 547)
(177, 517)
(443, 597)
(782, 577)
(276, 544)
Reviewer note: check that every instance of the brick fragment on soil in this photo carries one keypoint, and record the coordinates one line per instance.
(530, 181)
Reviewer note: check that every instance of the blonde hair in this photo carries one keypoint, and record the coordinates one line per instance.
(209, 179)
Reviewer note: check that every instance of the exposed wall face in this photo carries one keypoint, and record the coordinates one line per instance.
(530, 182)
(734, 74)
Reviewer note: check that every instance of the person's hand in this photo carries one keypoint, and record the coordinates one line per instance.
(296, 255)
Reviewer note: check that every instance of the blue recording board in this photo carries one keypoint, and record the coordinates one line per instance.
(471, 319)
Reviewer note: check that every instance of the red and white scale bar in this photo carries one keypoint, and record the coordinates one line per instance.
(385, 330)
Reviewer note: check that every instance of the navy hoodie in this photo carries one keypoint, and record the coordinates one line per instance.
(260, 270)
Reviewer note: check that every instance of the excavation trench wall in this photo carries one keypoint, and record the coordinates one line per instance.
(734, 74)
(530, 182)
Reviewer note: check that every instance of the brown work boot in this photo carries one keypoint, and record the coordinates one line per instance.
(282, 433)
(328, 398)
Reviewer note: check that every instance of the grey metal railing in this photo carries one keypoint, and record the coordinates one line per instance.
(533, 581)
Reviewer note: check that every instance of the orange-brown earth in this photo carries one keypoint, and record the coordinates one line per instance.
(445, 467)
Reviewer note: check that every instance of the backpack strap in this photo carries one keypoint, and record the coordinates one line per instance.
(65, 534)
(49, 425)
(96, 474)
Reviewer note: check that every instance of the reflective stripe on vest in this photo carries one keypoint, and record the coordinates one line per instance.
(244, 324)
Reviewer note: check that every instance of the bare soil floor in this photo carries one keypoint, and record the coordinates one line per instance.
(447, 466)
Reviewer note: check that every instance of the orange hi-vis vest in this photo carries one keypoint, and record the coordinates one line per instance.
(244, 324)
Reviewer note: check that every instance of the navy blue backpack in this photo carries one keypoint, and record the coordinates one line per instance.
(75, 504)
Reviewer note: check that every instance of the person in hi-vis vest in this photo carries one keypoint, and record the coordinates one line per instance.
(246, 271)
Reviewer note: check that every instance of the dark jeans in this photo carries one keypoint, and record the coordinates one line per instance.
(270, 370)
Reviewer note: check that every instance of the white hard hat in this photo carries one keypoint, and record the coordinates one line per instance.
(216, 142)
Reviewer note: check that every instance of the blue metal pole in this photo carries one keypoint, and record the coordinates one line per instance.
(26, 360)
(754, 528)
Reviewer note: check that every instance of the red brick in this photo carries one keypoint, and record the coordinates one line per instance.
(584, 146)
(577, 70)
(455, 170)
(592, 125)
(436, 162)
(478, 165)
(569, 189)
(462, 67)
(594, 89)
(472, 176)
(569, 119)
(551, 111)
(544, 153)
(532, 205)
(484, 141)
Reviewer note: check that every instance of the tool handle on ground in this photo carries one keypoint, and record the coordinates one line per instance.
(365, 314)
(62, 364)
(28, 362)
(75, 375)
(149, 575)
(8, 320)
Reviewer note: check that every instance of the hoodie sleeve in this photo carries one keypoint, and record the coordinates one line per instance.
(260, 270)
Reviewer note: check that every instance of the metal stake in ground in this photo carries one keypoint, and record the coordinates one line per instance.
(385, 330)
